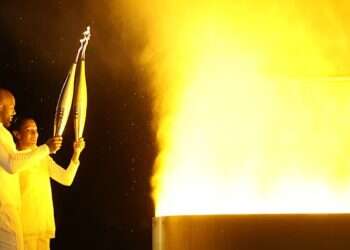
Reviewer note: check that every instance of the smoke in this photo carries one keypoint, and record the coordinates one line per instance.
(242, 115)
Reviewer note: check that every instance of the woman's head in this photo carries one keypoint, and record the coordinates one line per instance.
(25, 132)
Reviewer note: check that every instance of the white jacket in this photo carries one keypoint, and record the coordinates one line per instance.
(11, 162)
(37, 211)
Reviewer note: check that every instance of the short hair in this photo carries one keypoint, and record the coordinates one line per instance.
(18, 122)
(5, 94)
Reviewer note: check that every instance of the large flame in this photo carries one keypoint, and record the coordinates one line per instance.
(246, 122)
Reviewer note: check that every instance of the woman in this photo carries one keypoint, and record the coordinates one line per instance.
(37, 206)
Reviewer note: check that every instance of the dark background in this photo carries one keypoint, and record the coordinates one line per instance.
(109, 205)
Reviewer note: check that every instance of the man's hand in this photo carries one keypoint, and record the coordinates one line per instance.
(79, 145)
(54, 144)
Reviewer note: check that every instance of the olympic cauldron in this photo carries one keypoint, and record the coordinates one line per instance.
(252, 232)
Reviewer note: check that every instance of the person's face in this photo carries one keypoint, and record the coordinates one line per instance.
(7, 111)
(27, 136)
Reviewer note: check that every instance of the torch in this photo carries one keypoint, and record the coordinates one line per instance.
(65, 99)
(81, 95)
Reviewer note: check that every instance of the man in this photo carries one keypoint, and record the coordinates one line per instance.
(37, 213)
(11, 162)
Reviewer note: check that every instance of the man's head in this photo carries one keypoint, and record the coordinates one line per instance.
(26, 133)
(7, 107)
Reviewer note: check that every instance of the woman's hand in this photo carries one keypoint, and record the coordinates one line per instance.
(79, 145)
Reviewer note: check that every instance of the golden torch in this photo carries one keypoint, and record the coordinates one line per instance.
(65, 99)
(81, 95)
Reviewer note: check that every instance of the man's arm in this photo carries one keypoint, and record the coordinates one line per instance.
(13, 161)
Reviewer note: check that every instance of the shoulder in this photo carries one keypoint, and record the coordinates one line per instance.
(5, 132)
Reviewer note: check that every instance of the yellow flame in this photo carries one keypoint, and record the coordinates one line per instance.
(234, 135)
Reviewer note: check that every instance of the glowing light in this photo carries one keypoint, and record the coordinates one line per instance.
(234, 135)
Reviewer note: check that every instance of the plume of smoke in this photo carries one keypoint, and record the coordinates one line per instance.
(219, 120)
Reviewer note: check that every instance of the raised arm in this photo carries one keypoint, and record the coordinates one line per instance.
(13, 160)
(66, 176)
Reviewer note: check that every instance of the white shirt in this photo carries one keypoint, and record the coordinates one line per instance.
(37, 211)
(12, 161)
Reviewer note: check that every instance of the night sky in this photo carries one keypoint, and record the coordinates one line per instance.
(109, 204)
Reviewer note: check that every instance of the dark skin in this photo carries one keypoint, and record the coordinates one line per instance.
(27, 137)
(7, 107)
(7, 112)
